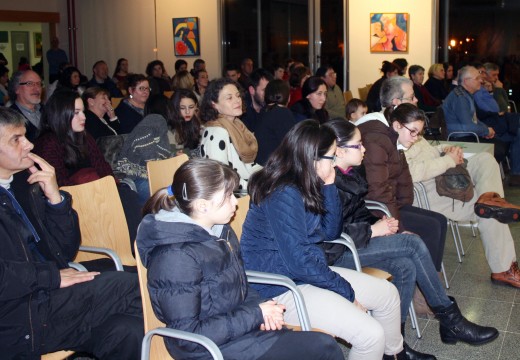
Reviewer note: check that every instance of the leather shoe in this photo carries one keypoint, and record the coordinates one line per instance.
(492, 205)
(509, 277)
(412, 354)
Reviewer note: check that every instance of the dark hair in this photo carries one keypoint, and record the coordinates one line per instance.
(230, 67)
(66, 76)
(118, 66)
(353, 105)
(152, 64)
(292, 164)
(10, 117)
(196, 75)
(257, 75)
(91, 93)
(3, 70)
(197, 66)
(412, 70)
(179, 63)
(159, 104)
(195, 179)
(97, 63)
(187, 132)
(401, 64)
(207, 111)
(311, 85)
(343, 130)
(404, 114)
(276, 93)
(388, 67)
(275, 67)
(57, 117)
(296, 76)
(322, 70)
(133, 79)
(14, 84)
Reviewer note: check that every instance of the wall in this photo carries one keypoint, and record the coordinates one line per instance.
(364, 66)
(31, 28)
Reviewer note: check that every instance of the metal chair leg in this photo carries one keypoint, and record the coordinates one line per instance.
(455, 239)
(413, 319)
(443, 270)
(460, 239)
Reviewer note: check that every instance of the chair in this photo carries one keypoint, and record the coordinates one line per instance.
(155, 349)
(160, 172)
(363, 92)
(102, 221)
(168, 94)
(512, 105)
(116, 101)
(348, 96)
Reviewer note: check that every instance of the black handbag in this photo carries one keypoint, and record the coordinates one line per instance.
(455, 183)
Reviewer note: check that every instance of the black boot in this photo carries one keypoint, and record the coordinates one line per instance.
(411, 354)
(400, 356)
(455, 327)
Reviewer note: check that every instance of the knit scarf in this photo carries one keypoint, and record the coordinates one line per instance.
(243, 140)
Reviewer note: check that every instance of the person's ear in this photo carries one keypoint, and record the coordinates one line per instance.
(200, 206)
(396, 126)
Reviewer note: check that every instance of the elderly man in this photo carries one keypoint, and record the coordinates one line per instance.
(25, 91)
(460, 112)
(335, 104)
(46, 306)
(101, 79)
(255, 101)
(490, 74)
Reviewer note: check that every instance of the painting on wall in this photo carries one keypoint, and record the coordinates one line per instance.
(37, 38)
(186, 36)
(389, 32)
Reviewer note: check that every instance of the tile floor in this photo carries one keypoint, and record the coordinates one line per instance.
(480, 300)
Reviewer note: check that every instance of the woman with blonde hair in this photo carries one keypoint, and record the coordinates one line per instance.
(435, 82)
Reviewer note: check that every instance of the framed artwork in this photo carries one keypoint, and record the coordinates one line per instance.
(389, 32)
(37, 39)
(186, 36)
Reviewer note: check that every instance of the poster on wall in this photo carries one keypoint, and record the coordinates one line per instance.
(37, 44)
(389, 32)
(186, 36)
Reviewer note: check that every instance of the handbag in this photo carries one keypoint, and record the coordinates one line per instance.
(455, 183)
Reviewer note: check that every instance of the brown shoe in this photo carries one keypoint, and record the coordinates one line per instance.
(509, 277)
(492, 205)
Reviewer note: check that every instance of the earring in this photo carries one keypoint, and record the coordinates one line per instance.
(131, 96)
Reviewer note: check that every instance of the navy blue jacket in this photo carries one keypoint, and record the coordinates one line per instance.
(197, 283)
(281, 237)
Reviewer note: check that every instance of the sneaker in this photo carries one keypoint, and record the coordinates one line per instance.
(509, 277)
(491, 205)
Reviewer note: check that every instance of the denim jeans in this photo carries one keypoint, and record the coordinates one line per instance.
(408, 260)
(514, 150)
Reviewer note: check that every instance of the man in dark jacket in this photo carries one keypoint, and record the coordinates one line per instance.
(46, 306)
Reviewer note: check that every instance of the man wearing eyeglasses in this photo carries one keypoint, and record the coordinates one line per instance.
(25, 88)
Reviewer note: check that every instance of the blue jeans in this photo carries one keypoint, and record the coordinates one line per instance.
(408, 260)
(514, 150)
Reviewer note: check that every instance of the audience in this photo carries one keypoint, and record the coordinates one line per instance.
(231, 71)
(101, 79)
(435, 82)
(100, 118)
(278, 72)
(25, 92)
(296, 79)
(184, 125)
(254, 99)
(47, 306)
(198, 65)
(490, 74)
(449, 76)
(389, 70)
(131, 110)
(246, 68)
(356, 109)
(335, 104)
(196, 277)
(402, 64)
(225, 137)
(312, 104)
(157, 77)
(55, 57)
(425, 101)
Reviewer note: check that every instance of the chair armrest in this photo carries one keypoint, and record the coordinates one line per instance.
(77, 266)
(257, 277)
(347, 241)
(108, 252)
(376, 205)
(464, 132)
(179, 334)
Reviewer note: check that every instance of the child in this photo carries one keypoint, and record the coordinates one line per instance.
(356, 109)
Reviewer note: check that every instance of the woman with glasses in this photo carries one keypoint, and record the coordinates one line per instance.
(377, 239)
(131, 110)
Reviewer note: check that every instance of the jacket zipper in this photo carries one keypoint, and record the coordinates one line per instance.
(30, 296)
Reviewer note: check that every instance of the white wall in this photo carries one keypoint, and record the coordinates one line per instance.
(364, 65)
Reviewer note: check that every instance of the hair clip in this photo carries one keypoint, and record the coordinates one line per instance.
(170, 190)
(184, 192)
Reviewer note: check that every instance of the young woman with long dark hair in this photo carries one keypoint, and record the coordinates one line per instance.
(312, 103)
(184, 124)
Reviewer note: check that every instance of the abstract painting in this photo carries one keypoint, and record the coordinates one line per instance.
(389, 32)
(186, 36)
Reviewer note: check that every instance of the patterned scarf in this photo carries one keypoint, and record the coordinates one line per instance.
(243, 140)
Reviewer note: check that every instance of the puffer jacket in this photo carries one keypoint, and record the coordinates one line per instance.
(197, 283)
(30, 271)
(281, 237)
(387, 173)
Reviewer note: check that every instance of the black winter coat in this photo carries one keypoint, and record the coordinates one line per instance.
(29, 273)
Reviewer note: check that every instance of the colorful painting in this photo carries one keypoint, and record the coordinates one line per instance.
(186, 36)
(389, 32)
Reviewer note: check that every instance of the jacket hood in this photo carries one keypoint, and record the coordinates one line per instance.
(171, 227)
(372, 116)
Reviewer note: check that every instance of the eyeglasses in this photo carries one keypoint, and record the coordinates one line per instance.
(144, 88)
(325, 157)
(413, 133)
(358, 147)
(408, 98)
(32, 84)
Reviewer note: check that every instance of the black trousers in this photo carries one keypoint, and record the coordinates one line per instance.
(430, 226)
(304, 345)
(102, 317)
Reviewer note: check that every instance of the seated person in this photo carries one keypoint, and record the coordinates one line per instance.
(435, 82)
(490, 74)
(275, 121)
(425, 101)
(196, 278)
(295, 207)
(335, 104)
(297, 76)
(46, 306)
(101, 79)
(184, 125)
(225, 137)
(389, 70)
(403, 255)
(312, 103)
(157, 77)
(100, 118)
(131, 110)
(355, 109)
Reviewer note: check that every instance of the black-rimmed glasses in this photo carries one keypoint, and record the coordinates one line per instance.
(413, 133)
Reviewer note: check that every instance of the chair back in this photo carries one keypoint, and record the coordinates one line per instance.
(116, 101)
(102, 220)
(160, 172)
(158, 349)
(168, 94)
(240, 215)
(363, 92)
(348, 96)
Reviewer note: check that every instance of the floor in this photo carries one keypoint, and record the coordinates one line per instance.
(479, 299)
